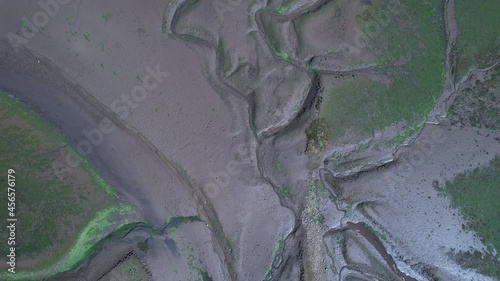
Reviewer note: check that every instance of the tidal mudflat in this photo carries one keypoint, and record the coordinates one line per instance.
(253, 140)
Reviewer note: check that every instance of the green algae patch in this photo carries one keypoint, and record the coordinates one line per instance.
(86, 35)
(281, 10)
(89, 241)
(173, 223)
(97, 228)
(275, 31)
(59, 216)
(281, 7)
(176, 221)
(407, 133)
(281, 54)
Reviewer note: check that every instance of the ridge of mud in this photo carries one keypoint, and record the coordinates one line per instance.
(111, 244)
(375, 242)
(302, 117)
(381, 162)
(77, 272)
(250, 99)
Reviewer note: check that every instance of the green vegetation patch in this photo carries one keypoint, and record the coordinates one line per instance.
(476, 194)
(478, 38)
(377, 233)
(195, 264)
(345, 107)
(86, 35)
(129, 269)
(281, 10)
(277, 259)
(60, 216)
(281, 7)
(281, 54)
(284, 192)
(106, 16)
(486, 264)
(275, 34)
(407, 133)
(172, 223)
(407, 43)
(316, 134)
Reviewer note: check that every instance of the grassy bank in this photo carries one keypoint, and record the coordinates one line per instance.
(60, 216)
(406, 40)
(478, 38)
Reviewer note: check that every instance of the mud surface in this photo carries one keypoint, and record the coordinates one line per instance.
(222, 136)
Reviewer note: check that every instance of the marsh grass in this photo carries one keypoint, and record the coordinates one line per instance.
(476, 194)
(478, 38)
(409, 50)
(59, 217)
